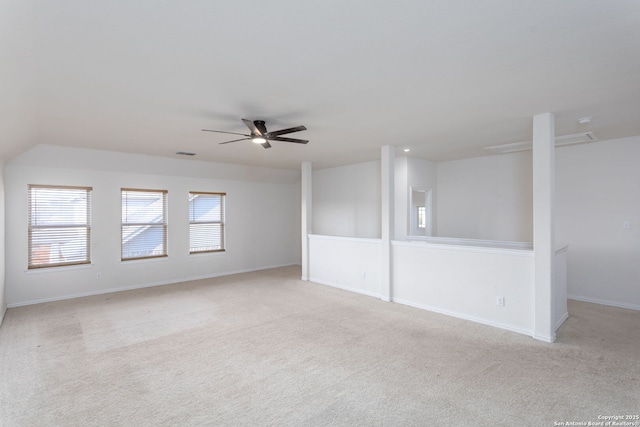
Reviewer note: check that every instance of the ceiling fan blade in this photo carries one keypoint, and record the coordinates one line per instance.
(280, 138)
(235, 140)
(266, 144)
(221, 131)
(288, 130)
(252, 127)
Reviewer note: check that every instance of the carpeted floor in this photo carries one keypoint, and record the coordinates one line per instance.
(265, 348)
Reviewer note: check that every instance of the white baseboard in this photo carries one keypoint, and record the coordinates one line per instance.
(4, 311)
(604, 302)
(346, 288)
(142, 286)
(561, 321)
(466, 317)
(545, 338)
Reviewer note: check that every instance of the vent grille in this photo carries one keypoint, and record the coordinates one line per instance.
(185, 153)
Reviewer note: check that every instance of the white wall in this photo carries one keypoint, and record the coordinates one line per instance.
(3, 303)
(430, 276)
(17, 77)
(486, 198)
(346, 200)
(597, 191)
(261, 228)
(17, 98)
(347, 263)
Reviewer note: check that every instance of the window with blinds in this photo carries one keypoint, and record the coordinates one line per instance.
(206, 222)
(144, 223)
(59, 226)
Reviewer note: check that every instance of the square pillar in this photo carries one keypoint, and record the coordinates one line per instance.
(387, 199)
(543, 225)
(306, 220)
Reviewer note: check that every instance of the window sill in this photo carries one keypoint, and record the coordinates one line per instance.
(53, 269)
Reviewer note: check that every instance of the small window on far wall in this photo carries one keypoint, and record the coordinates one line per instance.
(206, 222)
(144, 224)
(422, 217)
(59, 226)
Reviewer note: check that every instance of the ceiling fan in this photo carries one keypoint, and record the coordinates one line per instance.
(260, 135)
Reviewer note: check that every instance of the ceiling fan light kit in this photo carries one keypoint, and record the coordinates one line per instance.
(260, 135)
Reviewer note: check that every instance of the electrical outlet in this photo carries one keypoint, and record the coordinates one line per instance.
(98, 276)
(364, 274)
(500, 301)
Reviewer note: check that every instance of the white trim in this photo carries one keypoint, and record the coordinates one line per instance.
(59, 268)
(345, 288)
(464, 247)
(522, 331)
(545, 338)
(346, 239)
(4, 312)
(146, 285)
(158, 258)
(561, 321)
(604, 302)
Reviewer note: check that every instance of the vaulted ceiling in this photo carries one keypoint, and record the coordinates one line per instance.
(445, 78)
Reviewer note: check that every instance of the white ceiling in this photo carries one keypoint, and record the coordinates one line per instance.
(443, 77)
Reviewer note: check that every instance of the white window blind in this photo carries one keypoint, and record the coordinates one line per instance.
(206, 222)
(59, 225)
(144, 223)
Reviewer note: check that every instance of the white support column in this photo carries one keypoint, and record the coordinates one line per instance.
(305, 209)
(387, 198)
(543, 224)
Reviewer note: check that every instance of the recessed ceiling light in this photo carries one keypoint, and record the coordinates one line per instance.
(584, 120)
(406, 150)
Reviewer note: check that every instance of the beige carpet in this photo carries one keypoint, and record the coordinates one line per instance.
(268, 349)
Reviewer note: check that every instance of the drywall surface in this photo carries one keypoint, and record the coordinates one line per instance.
(46, 155)
(465, 282)
(347, 263)
(598, 216)
(17, 77)
(3, 304)
(487, 198)
(261, 220)
(597, 212)
(346, 200)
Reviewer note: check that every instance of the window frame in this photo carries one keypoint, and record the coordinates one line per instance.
(31, 265)
(164, 224)
(221, 222)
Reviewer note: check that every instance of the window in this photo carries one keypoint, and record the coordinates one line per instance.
(144, 223)
(59, 226)
(206, 222)
(422, 217)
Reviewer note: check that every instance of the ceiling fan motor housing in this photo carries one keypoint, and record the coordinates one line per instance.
(261, 125)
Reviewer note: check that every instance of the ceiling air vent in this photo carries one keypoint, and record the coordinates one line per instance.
(514, 147)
